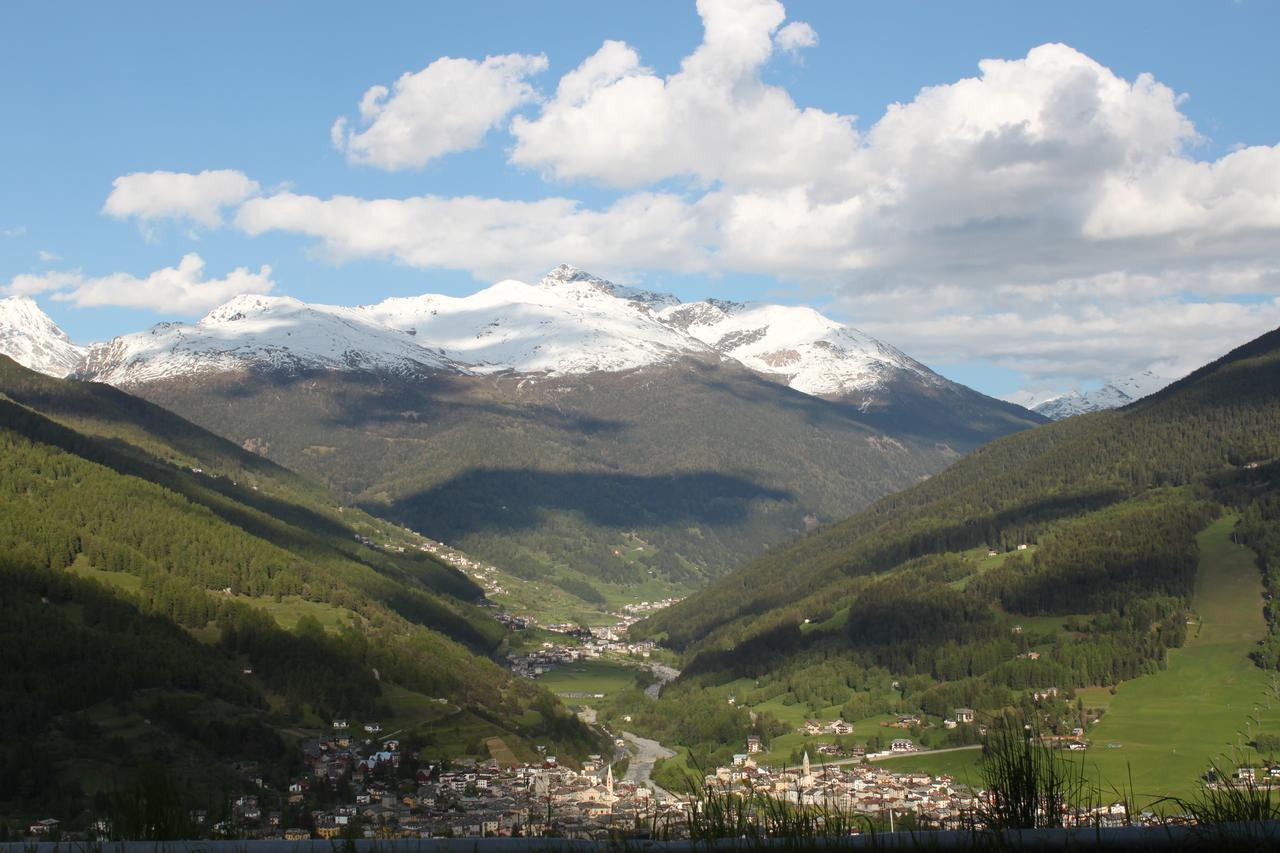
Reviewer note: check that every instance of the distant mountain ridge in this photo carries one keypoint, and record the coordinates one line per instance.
(569, 323)
(1113, 395)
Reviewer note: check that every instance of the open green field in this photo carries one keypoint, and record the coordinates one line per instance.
(119, 580)
(960, 764)
(291, 608)
(1054, 625)
(448, 732)
(1169, 726)
(589, 676)
(983, 563)
(410, 710)
(499, 750)
(547, 602)
(832, 623)
(1095, 697)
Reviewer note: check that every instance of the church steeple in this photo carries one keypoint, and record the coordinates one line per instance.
(608, 780)
(806, 763)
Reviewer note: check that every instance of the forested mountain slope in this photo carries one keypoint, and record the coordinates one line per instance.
(1005, 494)
(154, 565)
(1056, 559)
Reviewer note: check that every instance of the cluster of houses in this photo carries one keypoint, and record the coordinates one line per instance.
(641, 609)
(936, 801)
(856, 789)
(541, 661)
(484, 800)
(583, 644)
(482, 573)
(835, 727)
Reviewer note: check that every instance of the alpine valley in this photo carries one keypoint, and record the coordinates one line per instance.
(222, 539)
(603, 442)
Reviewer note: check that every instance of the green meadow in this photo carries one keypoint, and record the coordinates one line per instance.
(589, 676)
(1163, 730)
(960, 764)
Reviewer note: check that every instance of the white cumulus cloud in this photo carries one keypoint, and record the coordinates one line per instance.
(199, 198)
(448, 106)
(794, 36)
(181, 290)
(615, 121)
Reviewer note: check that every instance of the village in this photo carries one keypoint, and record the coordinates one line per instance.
(583, 643)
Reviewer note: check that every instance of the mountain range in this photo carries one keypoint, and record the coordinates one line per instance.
(568, 323)
(572, 430)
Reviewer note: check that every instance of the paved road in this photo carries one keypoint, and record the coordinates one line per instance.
(664, 674)
(647, 752)
(882, 756)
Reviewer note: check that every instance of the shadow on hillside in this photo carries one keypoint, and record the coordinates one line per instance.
(371, 398)
(518, 499)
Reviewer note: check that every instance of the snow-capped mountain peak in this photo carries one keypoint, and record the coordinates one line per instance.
(808, 350)
(31, 338)
(1114, 394)
(260, 332)
(568, 279)
(248, 305)
(570, 322)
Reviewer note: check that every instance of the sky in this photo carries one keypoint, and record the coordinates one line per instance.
(1025, 196)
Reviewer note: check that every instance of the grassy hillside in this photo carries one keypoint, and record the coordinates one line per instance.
(148, 555)
(675, 472)
(1210, 700)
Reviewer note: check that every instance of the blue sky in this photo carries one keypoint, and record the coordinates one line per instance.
(1008, 296)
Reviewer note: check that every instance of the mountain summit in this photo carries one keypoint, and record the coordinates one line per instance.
(29, 337)
(796, 345)
(569, 322)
